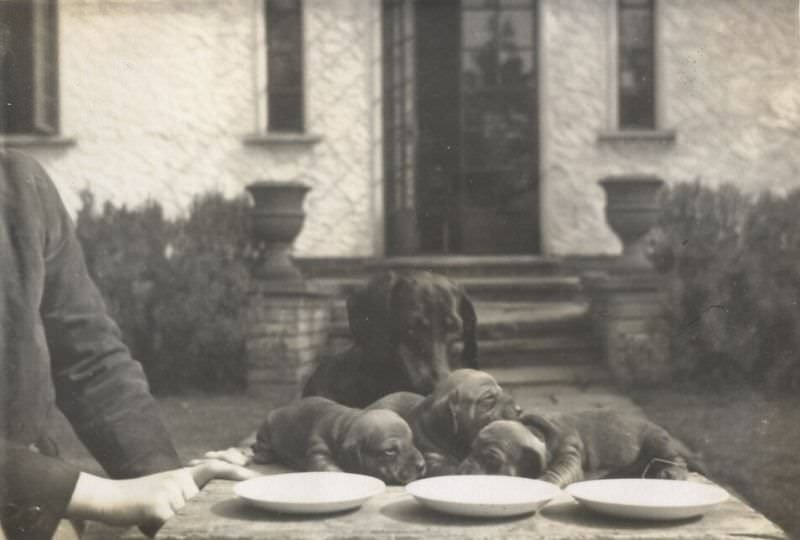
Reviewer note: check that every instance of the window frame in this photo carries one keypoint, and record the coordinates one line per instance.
(273, 90)
(41, 120)
(614, 129)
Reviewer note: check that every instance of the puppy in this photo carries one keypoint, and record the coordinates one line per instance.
(406, 330)
(318, 434)
(563, 448)
(447, 421)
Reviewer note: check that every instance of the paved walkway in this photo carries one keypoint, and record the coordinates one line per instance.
(566, 398)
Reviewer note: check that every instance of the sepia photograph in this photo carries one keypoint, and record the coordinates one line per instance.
(418, 269)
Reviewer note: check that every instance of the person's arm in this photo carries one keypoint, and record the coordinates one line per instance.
(34, 492)
(99, 387)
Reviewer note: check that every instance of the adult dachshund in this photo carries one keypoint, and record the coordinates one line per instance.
(406, 329)
(318, 434)
(447, 421)
(563, 448)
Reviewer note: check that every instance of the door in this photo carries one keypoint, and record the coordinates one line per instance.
(472, 125)
(399, 128)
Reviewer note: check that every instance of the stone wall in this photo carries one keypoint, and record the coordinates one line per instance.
(159, 95)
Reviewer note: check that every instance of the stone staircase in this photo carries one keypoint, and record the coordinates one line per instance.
(533, 316)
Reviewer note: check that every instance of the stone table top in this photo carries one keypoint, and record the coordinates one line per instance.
(217, 514)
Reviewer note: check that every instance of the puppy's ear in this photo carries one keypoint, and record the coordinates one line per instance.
(368, 311)
(453, 405)
(469, 354)
(351, 457)
(534, 461)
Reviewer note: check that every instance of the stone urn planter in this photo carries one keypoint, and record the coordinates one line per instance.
(276, 219)
(631, 211)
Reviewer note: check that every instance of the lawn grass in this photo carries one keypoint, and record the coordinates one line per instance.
(749, 441)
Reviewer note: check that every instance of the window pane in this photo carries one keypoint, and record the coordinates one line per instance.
(284, 65)
(16, 67)
(285, 71)
(285, 112)
(636, 64)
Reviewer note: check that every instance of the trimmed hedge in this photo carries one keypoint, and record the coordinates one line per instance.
(175, 286)
(732, 311)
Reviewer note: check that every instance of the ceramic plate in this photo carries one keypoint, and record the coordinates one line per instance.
(641, 498)
(482, 495)
(309, 492)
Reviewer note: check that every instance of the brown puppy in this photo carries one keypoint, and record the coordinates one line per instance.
(563, 448)
(406, 329)
(446, 422)
(318, 434)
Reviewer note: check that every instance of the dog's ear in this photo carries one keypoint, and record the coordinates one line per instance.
(453, 405)
(535, 461)
(351, 456)
(368, 311)
(469, 353)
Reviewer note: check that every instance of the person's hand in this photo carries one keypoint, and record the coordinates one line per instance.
(241, 455)
(148, 501)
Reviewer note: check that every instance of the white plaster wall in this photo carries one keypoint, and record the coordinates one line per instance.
(159, 94)
(730, 90)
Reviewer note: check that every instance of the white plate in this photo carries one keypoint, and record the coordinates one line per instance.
(482, 495)
(642, 498)
(309, 492)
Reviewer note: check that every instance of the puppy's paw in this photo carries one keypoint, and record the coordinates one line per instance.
(672, 472)
(236, 456)
(551, 477)
(439, 465)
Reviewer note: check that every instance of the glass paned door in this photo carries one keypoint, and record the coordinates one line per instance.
(498, 201)
(460, 126)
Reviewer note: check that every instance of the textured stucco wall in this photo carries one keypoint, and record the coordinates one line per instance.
(159, 94)
(730, 88)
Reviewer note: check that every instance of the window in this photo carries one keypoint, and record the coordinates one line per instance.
(28, 67)
(636, 64)
(284, 66)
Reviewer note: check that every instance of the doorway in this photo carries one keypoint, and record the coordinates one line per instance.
(460, 126)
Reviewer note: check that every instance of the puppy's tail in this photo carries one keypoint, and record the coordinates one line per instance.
(262, 448)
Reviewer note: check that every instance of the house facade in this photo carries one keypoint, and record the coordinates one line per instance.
(423, 126)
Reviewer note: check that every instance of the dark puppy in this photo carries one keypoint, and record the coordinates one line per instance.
(318, 434)
(406, 330)
(446, 422)
(563, 448)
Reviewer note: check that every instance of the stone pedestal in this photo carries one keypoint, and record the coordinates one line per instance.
(625, 315)
(286, 334)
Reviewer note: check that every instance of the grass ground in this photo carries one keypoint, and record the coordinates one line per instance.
(750, 442)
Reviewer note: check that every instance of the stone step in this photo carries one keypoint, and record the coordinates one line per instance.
(580, 375)
(454, 266)
(459, 266)
(486, 288)
(554, 350)
(500, 320)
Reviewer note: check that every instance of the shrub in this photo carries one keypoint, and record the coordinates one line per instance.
(733, 266)
(175, 287)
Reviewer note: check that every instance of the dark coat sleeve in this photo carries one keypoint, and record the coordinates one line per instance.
(99, 387)
(35, 492)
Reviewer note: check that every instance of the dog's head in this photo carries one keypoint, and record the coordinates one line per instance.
(419, 320)
(506, 447)
(470, 399)
(380, 443)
